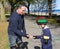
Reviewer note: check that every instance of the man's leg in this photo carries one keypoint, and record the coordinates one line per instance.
(19, 42)
(12, 40)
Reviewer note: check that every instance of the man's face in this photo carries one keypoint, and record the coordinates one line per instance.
(22, 10)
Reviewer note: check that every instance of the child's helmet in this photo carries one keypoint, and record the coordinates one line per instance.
(41, 20)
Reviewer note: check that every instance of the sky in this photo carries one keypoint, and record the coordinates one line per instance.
(57, 4)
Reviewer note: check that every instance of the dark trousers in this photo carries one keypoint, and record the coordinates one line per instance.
(14, 40)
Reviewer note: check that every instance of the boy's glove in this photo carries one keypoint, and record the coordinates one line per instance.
(35, 37)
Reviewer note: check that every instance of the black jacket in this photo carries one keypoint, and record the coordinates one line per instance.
(16, 24)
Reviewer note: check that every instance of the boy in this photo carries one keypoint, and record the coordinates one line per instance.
(46, 38)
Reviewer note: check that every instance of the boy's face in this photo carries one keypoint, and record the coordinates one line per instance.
(42, 25)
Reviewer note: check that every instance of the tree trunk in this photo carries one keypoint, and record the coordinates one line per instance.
(2, 13)
(12, 9)
(12, 6)
(28, 8)
(50, 8)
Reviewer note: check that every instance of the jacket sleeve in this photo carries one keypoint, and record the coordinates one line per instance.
(14, 23)
(47, 32)
(37, 37)
(24, 29)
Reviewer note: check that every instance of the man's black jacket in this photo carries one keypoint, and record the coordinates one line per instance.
(16, 25)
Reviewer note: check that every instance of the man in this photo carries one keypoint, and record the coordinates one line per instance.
(16, 28)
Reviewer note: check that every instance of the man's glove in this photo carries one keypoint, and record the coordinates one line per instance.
(27, 36)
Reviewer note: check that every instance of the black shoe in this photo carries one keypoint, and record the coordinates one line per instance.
(23, 45)
(13, 47)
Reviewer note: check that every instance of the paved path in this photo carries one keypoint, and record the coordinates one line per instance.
(33, 29)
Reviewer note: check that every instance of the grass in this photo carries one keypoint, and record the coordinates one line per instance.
(53, 21)
(4, 44)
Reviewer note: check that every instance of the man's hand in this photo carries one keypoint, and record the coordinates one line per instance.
(30, 36)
